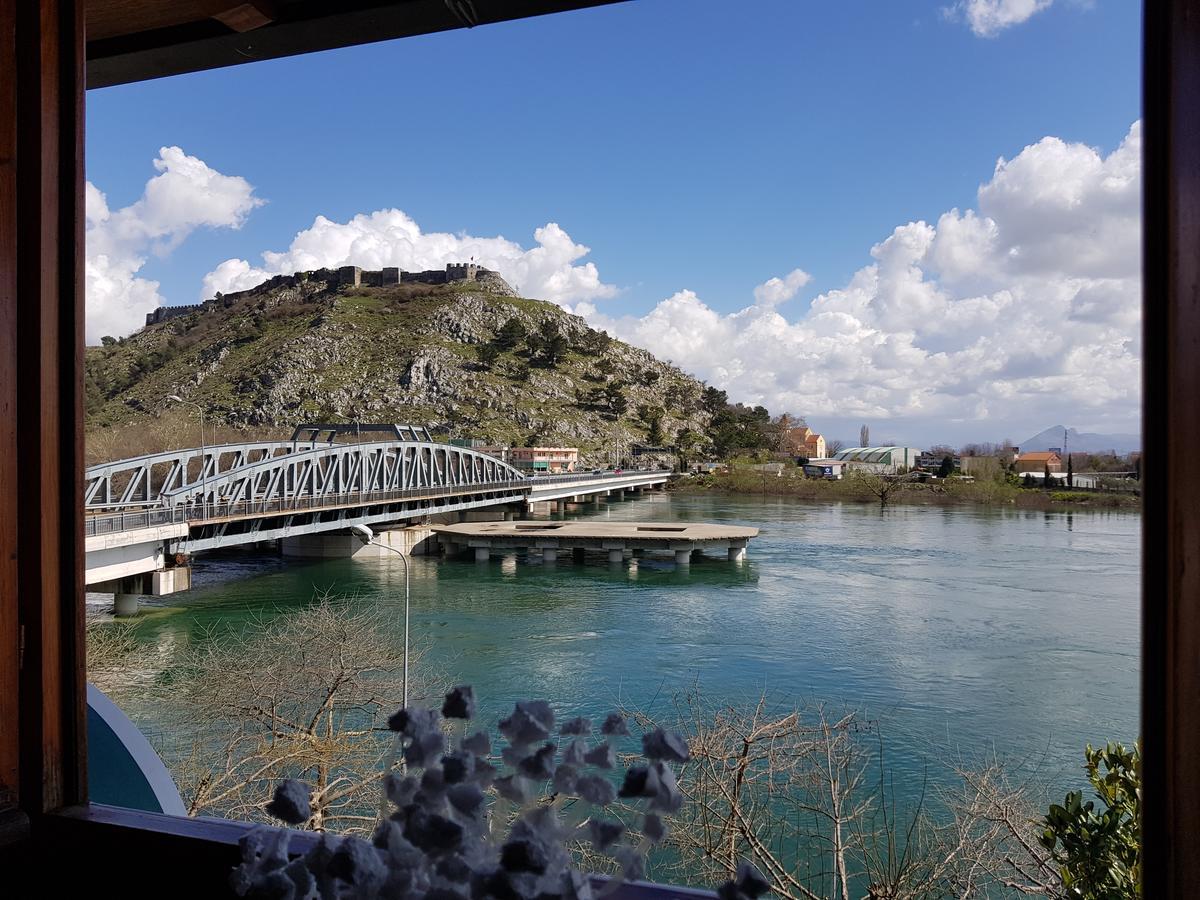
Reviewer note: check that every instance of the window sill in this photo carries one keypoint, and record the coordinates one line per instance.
(152, 854)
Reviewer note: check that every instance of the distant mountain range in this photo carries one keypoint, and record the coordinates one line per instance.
(1081, 442)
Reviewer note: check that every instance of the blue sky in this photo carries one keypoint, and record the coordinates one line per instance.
(689, 148)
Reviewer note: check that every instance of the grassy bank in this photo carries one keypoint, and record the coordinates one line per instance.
(852, 490)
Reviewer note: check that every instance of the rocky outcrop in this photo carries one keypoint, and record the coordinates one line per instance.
(298, 350)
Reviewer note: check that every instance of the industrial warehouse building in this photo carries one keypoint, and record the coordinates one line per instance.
(881, 459)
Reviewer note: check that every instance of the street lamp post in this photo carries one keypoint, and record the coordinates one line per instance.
(368, 537)
(203, 454)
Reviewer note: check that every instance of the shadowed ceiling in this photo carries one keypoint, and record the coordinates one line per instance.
(133, 40)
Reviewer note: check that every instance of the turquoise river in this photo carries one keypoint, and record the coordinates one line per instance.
(962, 631)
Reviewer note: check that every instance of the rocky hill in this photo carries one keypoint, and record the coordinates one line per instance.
(467, 359)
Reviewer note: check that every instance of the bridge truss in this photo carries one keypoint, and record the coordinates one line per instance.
(236, 493)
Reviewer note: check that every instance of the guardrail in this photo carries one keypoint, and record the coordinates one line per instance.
(594, 476)
(114, 523)
(131, 520)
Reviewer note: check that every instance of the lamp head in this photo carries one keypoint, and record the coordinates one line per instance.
(363, 532)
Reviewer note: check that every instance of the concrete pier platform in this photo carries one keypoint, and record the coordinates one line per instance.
(619, 540)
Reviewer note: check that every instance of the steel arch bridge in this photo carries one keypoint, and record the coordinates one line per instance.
(250, 475)
(139, 512)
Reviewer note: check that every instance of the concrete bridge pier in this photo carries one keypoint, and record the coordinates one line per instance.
(412, 540)
(482, 554)
(616, 556)
(737, 554)
(549, 554)
(127, 590)
(683, 558)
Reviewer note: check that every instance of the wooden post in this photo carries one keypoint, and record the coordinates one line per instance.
(1170, 435)
(42, 700)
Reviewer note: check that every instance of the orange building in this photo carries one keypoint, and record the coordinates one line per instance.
(803, 441)
(545, 459)
(1038, 462)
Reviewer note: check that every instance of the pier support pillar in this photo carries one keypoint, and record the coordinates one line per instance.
(482, 554)
(616, 556)
(737, 554)
(549, 554)
(560, 505)
(125, 605)
(683, 558)
(627, 554)
(510, 515)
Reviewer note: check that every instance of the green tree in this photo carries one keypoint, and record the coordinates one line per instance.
(487, 354)
(714, 401)
(108, 340)
(946, 469)
(594, 343)
(510, 334)
(654, 432)
(547, 346)
(618, 403)
(1098, 851)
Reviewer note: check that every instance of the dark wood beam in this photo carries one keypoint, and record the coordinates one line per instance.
(301, 27)
(243, 17)
(1171, 434)
(41, 447)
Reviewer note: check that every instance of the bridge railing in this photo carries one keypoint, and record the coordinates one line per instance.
(593, 476)
(114, 523)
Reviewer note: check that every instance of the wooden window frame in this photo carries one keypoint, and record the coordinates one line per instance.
(43, 794)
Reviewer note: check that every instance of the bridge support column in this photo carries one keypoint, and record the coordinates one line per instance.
(125, 605)
(510, 515)
(549, 554)
(616, 556)
(737, 554)
(683, 558)
(560, 506)
(482, 554)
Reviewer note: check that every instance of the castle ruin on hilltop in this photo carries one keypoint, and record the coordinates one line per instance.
(351, 276)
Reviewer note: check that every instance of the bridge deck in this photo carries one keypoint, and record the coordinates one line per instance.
(597, 534)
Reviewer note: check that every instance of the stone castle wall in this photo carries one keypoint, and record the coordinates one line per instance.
(163, 313)
(350, 276)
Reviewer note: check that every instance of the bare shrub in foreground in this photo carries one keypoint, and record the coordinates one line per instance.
(303, 696)
(804, 794)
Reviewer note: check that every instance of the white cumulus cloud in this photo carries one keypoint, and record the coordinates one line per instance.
(186, 194)
(1025, 309)
(987, 18)
(551, 270)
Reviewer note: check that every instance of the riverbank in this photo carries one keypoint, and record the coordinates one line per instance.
(850, 490)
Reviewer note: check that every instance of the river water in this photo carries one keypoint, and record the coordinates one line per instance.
(961, 631)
